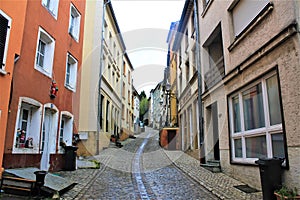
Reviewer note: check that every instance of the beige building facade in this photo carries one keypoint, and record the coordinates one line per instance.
(100, 112)
(250, 67)
(127, 117)
(184, 48)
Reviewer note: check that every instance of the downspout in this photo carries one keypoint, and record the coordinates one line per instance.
(198, 63)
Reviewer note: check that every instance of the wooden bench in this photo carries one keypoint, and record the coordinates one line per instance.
(19, 184)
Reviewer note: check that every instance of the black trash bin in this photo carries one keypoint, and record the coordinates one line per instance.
(40, 177)
(40, 180)
(270, 176)
(70, 158)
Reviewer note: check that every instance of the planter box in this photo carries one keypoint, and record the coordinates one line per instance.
(278, 196)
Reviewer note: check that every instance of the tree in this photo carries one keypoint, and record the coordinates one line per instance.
(143, 94)
(143, 104)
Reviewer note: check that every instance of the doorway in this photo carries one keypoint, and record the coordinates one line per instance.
(45, 140)
(214, 113)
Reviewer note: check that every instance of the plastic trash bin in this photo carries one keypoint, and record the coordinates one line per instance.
(70, 158)
(270, 176)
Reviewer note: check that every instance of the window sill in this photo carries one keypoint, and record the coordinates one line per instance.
(69, 87)
(25, 150)
(253, 164)
(40, 69)
(74, 37)
(251, 26)
(3, 72)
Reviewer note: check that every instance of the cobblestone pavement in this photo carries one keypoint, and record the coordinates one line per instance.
(164, 174)
(119, 177)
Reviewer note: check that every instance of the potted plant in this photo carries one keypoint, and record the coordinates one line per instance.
(287, 193)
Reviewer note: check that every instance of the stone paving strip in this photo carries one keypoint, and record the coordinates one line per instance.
(218, 183)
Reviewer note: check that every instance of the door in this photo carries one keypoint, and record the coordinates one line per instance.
(214, 109)
(191, 128)
(172, 140)
(47, 128)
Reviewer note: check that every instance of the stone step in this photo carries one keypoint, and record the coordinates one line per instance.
(212, 165)
(214, 161)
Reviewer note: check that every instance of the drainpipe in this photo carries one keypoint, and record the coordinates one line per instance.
(100, 78)
(198, 63)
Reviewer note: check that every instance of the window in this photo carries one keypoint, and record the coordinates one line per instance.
(44, 53)
(27, 133)
(255, 121)
(244, 12)
(107, 116)
(124, 68)
(102, 111)
(115, 51)
(23, 124)
(128, 97)
(51, 6)
(214, 70)
(129, 77)
(74, 26)
(71, 73)
(123, 91)
(187, 71)
(66, 129)
(5, 23)
(186, 40)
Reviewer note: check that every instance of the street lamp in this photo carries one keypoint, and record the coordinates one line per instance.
(168, 89)
(100, 77)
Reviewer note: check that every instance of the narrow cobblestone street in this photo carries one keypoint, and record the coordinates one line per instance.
(139, 170)
(163, 175)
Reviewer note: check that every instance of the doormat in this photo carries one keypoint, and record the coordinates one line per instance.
(246, 188)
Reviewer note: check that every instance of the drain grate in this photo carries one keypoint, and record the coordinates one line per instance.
(246, 188)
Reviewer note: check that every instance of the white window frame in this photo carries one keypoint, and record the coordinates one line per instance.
(49, 53)
(74, 23)
(244, 12)
(51, 6)
(33, 124)
(70, 82)
(267, 131)
(66, 132)
(2, 67)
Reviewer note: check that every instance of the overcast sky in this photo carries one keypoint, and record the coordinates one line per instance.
(144, 26)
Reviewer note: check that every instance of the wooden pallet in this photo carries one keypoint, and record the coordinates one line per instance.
(17, 184)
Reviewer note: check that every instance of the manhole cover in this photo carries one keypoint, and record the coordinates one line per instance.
(245, 188)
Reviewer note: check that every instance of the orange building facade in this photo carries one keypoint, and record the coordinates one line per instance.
(43, 107)
(12, 25)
